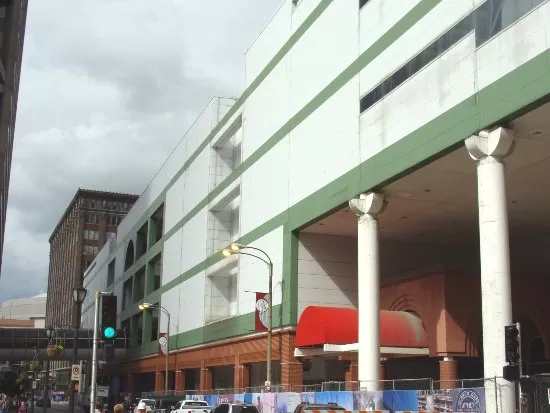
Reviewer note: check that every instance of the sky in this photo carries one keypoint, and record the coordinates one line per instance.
(108, 88)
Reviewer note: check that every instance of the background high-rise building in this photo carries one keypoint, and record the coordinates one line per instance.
(13, 15)
(89, 221)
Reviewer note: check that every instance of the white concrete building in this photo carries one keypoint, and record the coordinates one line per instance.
(345, 98)
(31, 308)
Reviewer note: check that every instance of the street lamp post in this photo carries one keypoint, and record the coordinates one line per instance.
(237, 249)
(148, 306)
(79, 295)
(49, 332)
(31, 390)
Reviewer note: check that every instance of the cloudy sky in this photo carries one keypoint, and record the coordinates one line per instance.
(108, 88)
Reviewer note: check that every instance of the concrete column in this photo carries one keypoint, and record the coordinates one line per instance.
(488, 149)
(180, 381)
(367, 207)
(448, 373)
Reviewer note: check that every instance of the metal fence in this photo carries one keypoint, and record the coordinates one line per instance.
(422, 384)
(500, 396)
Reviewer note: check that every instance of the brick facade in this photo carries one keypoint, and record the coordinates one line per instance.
(180, 380)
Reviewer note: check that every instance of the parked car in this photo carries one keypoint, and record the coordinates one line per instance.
(316, 406)
(149, 403)
(235, 408)
(191, 406)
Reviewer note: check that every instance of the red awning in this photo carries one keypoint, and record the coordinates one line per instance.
(331, 325)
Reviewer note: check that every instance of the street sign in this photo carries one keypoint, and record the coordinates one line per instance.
(75, 372)
(103, 391)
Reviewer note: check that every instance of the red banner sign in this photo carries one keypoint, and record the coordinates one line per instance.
(163, 344)
(262, 305)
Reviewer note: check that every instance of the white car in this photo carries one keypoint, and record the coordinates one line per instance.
(149, 403)
(191, 406)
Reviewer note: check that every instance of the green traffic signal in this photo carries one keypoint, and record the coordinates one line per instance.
(109, 332)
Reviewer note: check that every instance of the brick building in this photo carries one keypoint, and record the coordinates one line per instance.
(13, 16)
(90, 220)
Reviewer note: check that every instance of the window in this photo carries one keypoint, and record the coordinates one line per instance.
(139, 285)
(141, 240)
(91, 249)
(224, 227)
(227, 153)
(221, 299)
(488, 20)
(91, 218)
(114, 220)
(91, 234)
(111, 273)
(111, 235)
(93, 204)
(127, 294)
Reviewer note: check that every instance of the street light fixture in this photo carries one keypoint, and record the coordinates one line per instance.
(149, 306)
(237, 249)
(79, 295)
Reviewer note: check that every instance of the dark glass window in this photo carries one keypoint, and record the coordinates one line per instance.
(488, 20)
(362, 3)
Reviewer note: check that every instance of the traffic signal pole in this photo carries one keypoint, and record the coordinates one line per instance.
(520, 360)
(93, 388)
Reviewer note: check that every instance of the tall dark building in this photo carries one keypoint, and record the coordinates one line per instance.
(89, 221)
(13, 15)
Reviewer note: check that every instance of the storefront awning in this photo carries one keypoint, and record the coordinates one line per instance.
(320, 326)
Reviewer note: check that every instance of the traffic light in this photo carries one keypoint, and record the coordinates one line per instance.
(511, 343)
(108, 317)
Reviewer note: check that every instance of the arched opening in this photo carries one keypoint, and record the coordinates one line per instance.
(129, 256)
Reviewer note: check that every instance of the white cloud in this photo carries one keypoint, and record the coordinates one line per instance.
(108, 88)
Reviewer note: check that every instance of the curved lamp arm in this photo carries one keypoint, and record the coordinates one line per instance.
(257, 249)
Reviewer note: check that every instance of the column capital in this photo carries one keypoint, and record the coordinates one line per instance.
(496, 143)
(367, 204)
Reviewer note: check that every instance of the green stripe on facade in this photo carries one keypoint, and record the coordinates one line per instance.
(231, 327)
(510, 94)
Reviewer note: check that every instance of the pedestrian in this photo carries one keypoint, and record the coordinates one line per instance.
(4, 404)
(22, 408)
(119, 408)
